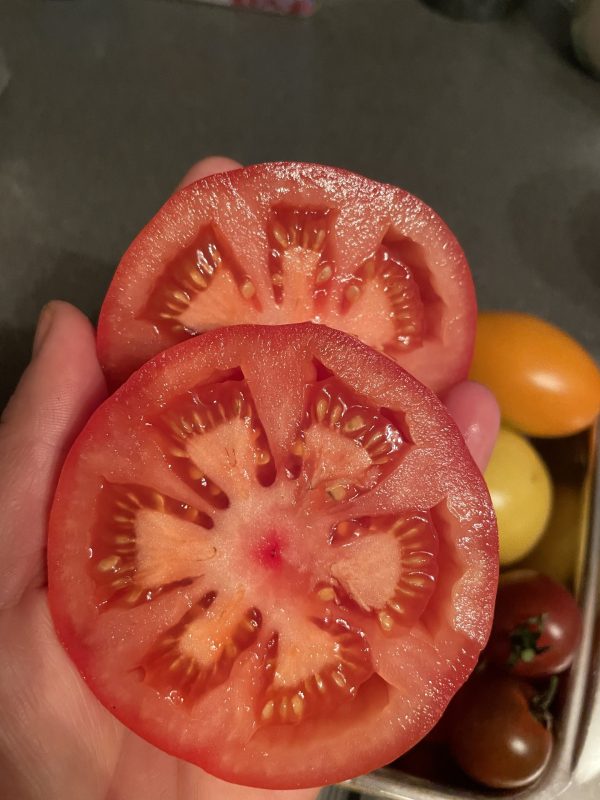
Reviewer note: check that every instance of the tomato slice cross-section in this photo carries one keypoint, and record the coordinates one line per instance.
(285, 588)
(286, 243)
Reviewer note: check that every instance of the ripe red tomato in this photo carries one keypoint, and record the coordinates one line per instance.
(271, 554)
(537, 625)
(280, 243)
(494, 734)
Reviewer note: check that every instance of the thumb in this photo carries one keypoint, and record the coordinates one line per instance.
(58, 391)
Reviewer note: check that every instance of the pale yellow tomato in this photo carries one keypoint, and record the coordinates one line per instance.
(521, 491)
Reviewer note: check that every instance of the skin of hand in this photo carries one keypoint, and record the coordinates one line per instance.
(57, 742)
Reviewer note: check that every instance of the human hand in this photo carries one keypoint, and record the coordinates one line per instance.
(57, 742)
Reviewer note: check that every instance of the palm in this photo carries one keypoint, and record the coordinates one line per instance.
(68, 744)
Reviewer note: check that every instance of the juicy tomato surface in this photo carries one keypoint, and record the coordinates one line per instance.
(281, 243)
(537, 625)
(546, 384)
(271, 554)
(521, 490)
(494, 734)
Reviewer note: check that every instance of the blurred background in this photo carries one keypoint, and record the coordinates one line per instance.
(110, 101)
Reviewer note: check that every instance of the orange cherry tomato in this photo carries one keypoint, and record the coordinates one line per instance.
(545, 382)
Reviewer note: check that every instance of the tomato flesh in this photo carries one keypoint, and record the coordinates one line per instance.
(282, 243)
(269, 585)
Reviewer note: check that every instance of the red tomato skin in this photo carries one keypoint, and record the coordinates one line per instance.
(400, 723)
(524, 594)
(125, 341)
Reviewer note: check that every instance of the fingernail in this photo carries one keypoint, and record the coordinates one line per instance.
(44, 324)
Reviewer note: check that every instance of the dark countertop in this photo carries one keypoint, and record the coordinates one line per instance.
(111, 100)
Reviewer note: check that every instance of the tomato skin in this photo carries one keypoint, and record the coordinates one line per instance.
(239, 204)
(494, 737)
(555, 555)
(396, 711)
(545, 382)
(527, 595)
(521, 491)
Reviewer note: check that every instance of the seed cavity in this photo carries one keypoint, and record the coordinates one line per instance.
(298, 260)
(297, 690)
(344, 446)
(190, 274)
(402, 550)
(128, 536)
(198, 653)
(204, 411)
(388, 271)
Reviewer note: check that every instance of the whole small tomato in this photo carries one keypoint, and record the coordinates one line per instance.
(546, 384)
(555, 554)
(521, 491)
(497, 735)
(537, 625)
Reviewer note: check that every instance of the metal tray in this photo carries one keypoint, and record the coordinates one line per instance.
(574, 770)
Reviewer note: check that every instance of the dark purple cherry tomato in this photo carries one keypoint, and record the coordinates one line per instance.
(537, 625)
(499, 732)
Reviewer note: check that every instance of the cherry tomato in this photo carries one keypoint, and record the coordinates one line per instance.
(537, 625)
(268, 582)
(555, 555)
(494, 735)
(521, 491)
(545, 382)
(280, 243)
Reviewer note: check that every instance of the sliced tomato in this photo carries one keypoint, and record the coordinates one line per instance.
(271, 554)
(281, 243)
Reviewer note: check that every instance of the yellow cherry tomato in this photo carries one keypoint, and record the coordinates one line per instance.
(555, 554)
(545, 382)
(521, 491)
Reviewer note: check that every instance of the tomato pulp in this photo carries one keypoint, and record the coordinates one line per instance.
(271, 554)
(282, 243)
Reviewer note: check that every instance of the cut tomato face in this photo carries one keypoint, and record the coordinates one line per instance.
(271, 554)
(285, 243)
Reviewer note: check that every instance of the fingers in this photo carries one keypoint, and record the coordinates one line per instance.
(208, 166)
(58, 391)
(475, 411)
(211, 788)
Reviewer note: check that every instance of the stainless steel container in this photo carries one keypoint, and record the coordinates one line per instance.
(574, 770)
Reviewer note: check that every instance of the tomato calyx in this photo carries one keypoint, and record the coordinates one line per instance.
(524, 640)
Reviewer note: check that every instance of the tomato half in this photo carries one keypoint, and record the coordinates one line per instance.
(281, 243)
(271, 554)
